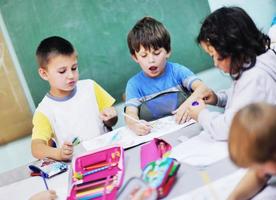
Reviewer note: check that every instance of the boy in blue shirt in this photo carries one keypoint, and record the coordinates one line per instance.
(149, 45)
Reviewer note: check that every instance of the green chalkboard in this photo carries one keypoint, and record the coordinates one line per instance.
(98, 30)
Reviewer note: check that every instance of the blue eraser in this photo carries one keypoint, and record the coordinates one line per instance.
(195, 103)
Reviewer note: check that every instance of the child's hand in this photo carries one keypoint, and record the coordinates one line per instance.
(108, 113)
(141, 128)
(45, 195)
(66, 151)
(181, 114)
(194, 110)
(141, 194)
(209, 97)
(109, 117)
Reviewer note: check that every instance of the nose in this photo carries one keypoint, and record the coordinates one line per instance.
(70, 74)
(151, 58)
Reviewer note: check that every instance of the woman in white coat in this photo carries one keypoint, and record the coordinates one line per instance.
(238, 48)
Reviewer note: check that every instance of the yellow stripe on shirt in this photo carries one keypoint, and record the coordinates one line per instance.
(42, 128)
(104, 99)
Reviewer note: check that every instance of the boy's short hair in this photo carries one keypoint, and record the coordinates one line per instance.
(252, 137)
(50, 47)
(149, 33)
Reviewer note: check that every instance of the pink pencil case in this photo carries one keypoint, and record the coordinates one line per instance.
(153, 150)
(97, 174)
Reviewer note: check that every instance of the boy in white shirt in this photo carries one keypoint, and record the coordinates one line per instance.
(71, 109)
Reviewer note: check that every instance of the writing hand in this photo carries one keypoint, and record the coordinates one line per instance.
(45, 195)
(141, 127)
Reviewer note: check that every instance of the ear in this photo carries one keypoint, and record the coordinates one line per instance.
(43, 73)
(208, 48)
(133, 56)
(211, 49)
(168, 54)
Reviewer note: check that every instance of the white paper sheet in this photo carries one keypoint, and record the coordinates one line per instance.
(200, 150)
(26, 188)
(217, 190)
(268, 193)
(127, 138)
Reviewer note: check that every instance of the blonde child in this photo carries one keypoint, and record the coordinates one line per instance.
(149, 46)
(72, 109)
(252, 144)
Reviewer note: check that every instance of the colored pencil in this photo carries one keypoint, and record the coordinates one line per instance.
(135, 120)
(44, 180)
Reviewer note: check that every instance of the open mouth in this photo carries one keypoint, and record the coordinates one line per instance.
(153, 68)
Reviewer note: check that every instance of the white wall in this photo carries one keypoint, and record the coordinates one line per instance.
(261, 11)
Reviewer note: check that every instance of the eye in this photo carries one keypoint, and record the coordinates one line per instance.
(74, 68)
(143, 55)
(62, 71)
(156, 53)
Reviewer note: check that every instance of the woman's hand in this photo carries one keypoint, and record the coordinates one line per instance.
(209, 97)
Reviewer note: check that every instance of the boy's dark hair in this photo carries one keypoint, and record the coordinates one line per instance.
(252, 136)
(149, 33)
(50, 47)
(232, 32)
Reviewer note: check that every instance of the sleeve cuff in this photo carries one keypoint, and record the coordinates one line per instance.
(222, 99)
(189, 81)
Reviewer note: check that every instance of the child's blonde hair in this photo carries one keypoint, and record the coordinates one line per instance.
(252, 137)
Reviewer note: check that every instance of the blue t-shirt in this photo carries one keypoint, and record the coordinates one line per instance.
(141, 88)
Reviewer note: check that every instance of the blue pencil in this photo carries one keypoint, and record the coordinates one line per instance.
(44, 180)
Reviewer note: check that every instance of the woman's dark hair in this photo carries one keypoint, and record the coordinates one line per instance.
(232, 32)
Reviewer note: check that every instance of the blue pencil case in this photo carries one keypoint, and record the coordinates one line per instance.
(48, 167)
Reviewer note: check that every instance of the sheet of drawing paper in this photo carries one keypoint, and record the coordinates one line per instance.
(216, 190)
(127, 138)
(200, 150)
